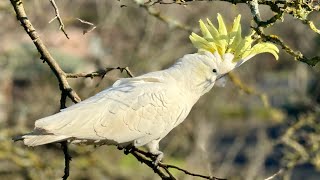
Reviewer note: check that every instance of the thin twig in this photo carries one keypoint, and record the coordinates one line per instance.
(127, 70)
(147, 158)
(58, 17)
(88, 23)
(171, 23)
(99, 73)
(190, 173)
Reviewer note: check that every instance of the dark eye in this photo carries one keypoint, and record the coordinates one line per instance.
(214, 70)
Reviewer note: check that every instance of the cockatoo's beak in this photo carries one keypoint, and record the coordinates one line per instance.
(221, 76)
(235, 64)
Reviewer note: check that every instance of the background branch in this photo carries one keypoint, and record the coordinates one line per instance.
(59, 19)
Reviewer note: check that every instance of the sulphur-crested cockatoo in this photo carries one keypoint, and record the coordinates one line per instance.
(142, 110)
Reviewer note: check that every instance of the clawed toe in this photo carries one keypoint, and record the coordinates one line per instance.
(153, 147)
(158, 159)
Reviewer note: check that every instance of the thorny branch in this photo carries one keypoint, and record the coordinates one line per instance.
(61, 27)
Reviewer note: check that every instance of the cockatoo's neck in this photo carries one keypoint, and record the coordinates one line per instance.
(194, 74)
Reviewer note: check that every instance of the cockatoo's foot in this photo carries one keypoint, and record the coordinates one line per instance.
(153, 147)
(159, 157)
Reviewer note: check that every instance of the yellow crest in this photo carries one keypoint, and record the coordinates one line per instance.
(223, 41)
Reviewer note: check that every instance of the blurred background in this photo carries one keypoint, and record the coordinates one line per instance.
(229, 133)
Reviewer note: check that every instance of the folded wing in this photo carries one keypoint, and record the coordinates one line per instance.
(135, 110)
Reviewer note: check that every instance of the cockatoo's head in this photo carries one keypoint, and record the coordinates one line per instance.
(228, 48)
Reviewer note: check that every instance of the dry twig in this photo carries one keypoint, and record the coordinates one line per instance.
(61, 27)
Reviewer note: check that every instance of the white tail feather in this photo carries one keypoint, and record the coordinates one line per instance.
(36, 140)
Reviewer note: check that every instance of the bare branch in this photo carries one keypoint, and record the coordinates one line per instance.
(61, 27)
(147, 158)
(143, 159)
(45, 54)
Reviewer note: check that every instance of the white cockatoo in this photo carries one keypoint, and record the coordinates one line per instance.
(142, 110)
